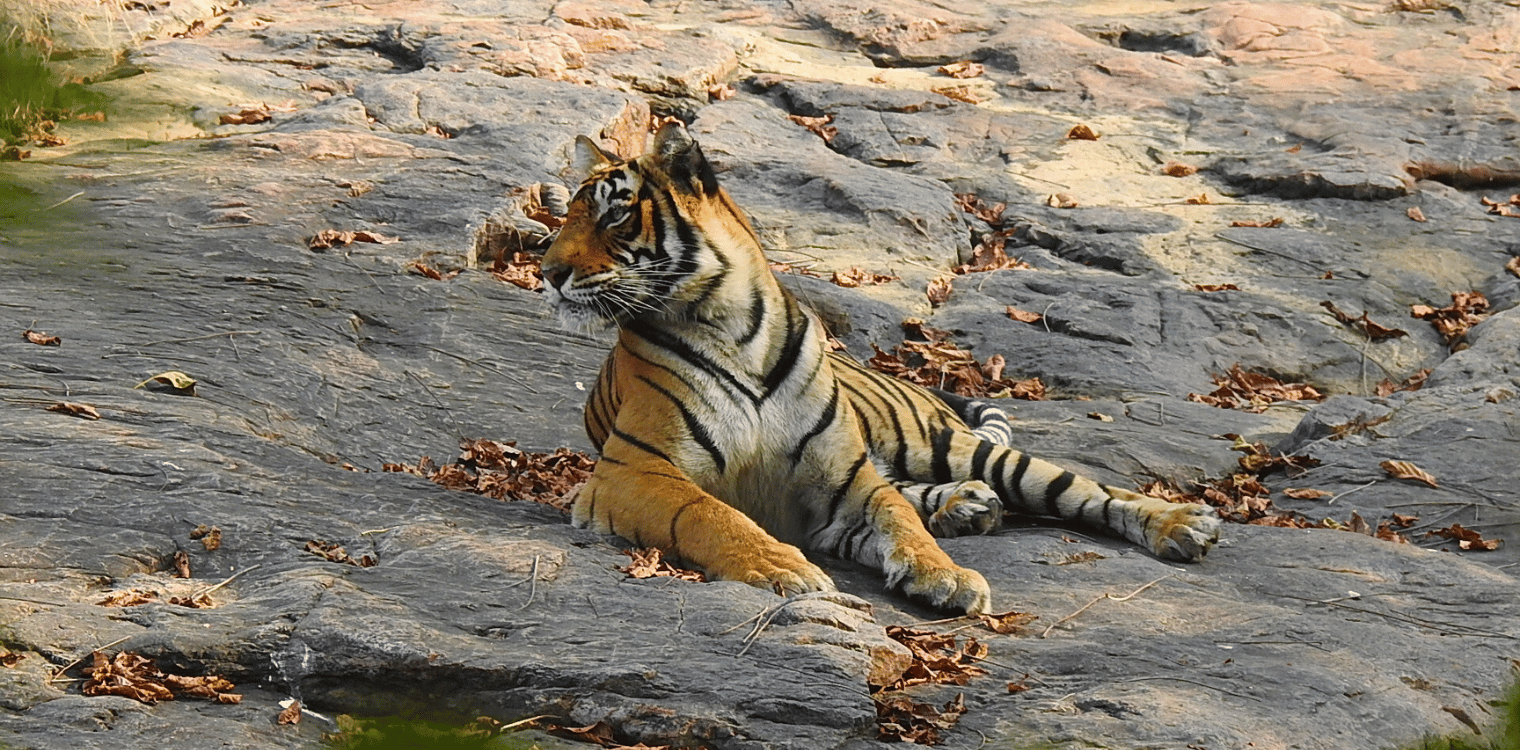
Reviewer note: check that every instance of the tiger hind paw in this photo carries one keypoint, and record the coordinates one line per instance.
(973, 508)
(1186, 532)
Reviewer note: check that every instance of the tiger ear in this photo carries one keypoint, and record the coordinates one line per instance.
(587, 158)
(683, 159)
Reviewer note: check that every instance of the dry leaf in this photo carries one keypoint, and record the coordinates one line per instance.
(41, 338)
(720, 92)
(1061, 200)
(1513, 266)
(329, 238)
(1081, 132)
(174, 379)
(523, 271)
(1271, 223)
(1415, 213)
(502, 471)
(210, 536)
(181, 564)
(1414, 382)
(1024, 316)
(1009, 623)
(1215, 288)
(649, 563)
(246, 117)
(971, 204)
(9, 658)
(1100, 416)
(291, 714)
(962, 93)
(1177, 169)
(79, 410)
(1407, 470)
(1306, 494)
(334, 552)
(857, 276)
(1373, 330)
(1201, 199)
(962, 69)
(128, 598)
(819, 126)
(1253, 392)
(939, 290)
(1467, 309)
(1466, 538)
(989, 255)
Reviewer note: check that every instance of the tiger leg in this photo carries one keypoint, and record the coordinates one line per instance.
(955, 509)
(1175, 531)
(650, 502)
(872, 523)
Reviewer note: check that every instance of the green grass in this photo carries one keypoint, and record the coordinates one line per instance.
(1505, 735)
(391, 733)
(32, 95)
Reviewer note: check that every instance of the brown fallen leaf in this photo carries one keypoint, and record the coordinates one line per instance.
(1061, 200)
(818, 126)
(650, 563)
(1271, 223)
(962, 69)
(79, 410)
(939, 289)
(1177, 169)
(902, 719)
(962, 93)
(1416, 214)
(1513, 266)
(720, 92)
(797, 269)
(181, 564)
(524, 270)
(41, 338)
(1100, 416)
(1373, 330)
(210, 536)
(857, 276)
(334, 552)
(245, 117)
(991, 213)
(1009, 623)
(329, 238)
(1081, 132)
(128, 598)
(9, 658)
(989, 255)
(1415, 382)
(1407, 470)
(504, 471)
(1253, 392)
(1024, 316)
(174, 379)
(291, 714)
(1466, 538)
(1306, 494)
(1201, 199)
(1215, 288)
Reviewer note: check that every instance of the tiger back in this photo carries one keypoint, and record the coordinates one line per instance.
(731, 438)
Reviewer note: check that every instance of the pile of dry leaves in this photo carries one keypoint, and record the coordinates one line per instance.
(131, 675)
(1466, 310)
(503, 470)
(929, 359)
(1253, 392)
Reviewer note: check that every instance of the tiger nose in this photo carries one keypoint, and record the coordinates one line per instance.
(556, 275)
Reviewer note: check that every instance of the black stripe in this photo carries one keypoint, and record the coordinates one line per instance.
(1017, 480)
(693, 357)
(979, 460)
(1108, 522)
(941, 456)
(1053, 492)
(824, 420)
(694, 426)
(844, 488)
(676, 517)
(756, 317)
(641, 445)
(1000, 482)
(786, 362)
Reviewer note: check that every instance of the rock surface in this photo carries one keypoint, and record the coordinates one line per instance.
(166, 240)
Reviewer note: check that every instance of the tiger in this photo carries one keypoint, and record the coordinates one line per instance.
(732, 438)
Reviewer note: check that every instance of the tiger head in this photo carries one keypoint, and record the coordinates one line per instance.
(651, 237)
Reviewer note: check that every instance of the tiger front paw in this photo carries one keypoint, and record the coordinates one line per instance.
(780, 568)
(953, 588)
(1185, 532)
(973, 508)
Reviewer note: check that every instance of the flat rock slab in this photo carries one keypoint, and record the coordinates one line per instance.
(167, 240)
